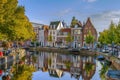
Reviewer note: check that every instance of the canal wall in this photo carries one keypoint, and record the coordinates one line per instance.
(64, 51)
(14, 55)
(115, 61)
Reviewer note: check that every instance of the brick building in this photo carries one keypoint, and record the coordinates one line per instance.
(88, 27)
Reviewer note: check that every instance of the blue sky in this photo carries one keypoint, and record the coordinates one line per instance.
(100, 11)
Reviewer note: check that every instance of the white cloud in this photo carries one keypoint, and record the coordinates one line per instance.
(90, 0)
(102, 20)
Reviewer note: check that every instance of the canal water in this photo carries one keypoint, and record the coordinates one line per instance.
(60, 66)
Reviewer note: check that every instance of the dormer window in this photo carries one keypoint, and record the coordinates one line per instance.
(76, 26)
(54, 26)
(50, 26)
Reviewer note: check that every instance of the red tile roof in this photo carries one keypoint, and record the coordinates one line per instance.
(66, 30)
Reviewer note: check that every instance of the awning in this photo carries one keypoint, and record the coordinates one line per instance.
(1, 54)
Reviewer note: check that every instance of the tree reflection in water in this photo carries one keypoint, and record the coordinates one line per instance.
(73, 64)
(56, 64)
(22, 70)
(103, 71)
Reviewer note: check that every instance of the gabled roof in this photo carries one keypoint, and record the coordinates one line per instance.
(54, 23)
(89, 23)
(57, 73)
(79, 24)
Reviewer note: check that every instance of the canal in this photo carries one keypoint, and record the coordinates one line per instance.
(60, 66)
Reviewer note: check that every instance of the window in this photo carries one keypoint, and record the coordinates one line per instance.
(75, 31)
(76, 26)
(53, 32)
(65, 33)
(54, 26)
(79, 31)
(75, 38)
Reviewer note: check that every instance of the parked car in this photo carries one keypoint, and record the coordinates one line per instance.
(105, 50)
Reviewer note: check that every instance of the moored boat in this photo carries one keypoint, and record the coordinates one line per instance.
(113, 75)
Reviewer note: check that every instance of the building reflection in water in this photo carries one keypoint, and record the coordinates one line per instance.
(56, 64)
(7, 65)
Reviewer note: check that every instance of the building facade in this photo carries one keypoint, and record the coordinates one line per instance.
(53, 30)
(76, 33)
(41, 33)
(58, 32)
(88, 27)
(62, 36)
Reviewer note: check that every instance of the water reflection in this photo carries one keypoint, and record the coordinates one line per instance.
(77, 66)
(56, 66)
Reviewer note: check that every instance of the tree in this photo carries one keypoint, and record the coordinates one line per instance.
(103, 71)
(73, 22)
(103, 38)
(89, 67)
(89, 39)
(69, 38)
(13, 21)
(24, 72)
(117, 31)
(50, 38)
(111, 33)
(3, 37)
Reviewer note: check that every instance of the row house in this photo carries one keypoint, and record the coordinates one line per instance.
(58, 31)
(78, 67)
(41, 33)
(53, 30)
(76, 33)
(79, 33)
(88, 27)
(62, 35)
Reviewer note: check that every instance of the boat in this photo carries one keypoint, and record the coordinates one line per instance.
(113, 75)
(100, 58)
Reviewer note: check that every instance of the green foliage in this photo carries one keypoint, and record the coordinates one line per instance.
(49, 61)
(103, 71)
(13, 22)
(89, 38)
(69, 38)
(110, 35)
(73, 22)
(50, 38)
(23, 72)
(89, 67)
(68, 64)
(3, 37)
(103, 39)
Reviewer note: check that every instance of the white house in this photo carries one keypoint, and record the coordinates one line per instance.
(53, 30)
